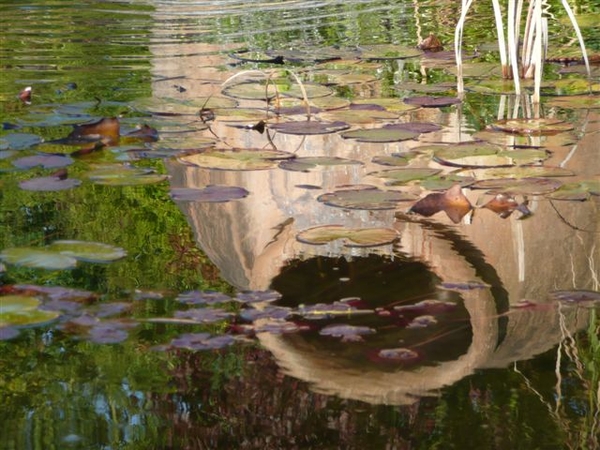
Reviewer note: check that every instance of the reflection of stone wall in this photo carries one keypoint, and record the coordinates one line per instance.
(250, 240)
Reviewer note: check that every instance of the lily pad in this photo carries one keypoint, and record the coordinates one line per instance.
(121, 175)
(95, 252)
(38, 258)
(396, 160)
(369, 199)
(352, 237)
(576, 102)
(522, 172)
(306, 164)
(576, 191)
(348, 333)
(398, 355)
(46, 184)
(19, 141)
(209, 194)
(403, 175)
(381, 135)
(359, 116)
(203, 315)
(432, 102)
(20, 310)
(470, 155)
(388, 51)
(203, 297)
(309, 127)
(202, 341)
(522, 186)
(237, 159)
(535, 127)
(321, 311)
(45, 161)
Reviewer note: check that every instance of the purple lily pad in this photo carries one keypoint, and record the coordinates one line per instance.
(202, 341)
(427, 307)
(203, 315)
(66, 306)
(277, 326)
(211, 193)
(576, 296)
(58, 292)
(464, 286)
(203, 298)
(257, 296)
(422, 322)
(49, 184)
(348, 333)
(7, 333)
(112, 309)
(45, 161)
(269, 312)
(398, 355)
(107, 333)
(417, 127)
(432, 102)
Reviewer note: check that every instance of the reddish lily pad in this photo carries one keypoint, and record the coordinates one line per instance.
(453, 202)
(352, 237)
(209, 194)
(370, 199)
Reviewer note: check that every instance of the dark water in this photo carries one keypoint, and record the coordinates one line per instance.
(488, 372)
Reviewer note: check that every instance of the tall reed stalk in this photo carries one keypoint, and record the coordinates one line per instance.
(535, 41)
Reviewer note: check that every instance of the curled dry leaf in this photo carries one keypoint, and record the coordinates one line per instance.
(453, 202)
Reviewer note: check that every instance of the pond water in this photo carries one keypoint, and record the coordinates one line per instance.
(203, 268)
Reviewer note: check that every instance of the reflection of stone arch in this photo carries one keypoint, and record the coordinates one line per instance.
(445, 257)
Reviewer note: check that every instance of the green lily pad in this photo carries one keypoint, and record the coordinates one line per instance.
(20, 310)
(470, 155)
(522, 172)
(19, 141)
(120, 175)
(253, 90)
(369, 199)
(388, 51)
(88, 251)
(522, 186)
(237, 159)
(391, 160)
(390, 104)
(309, 127)
(380, 135)
(403, 175)
(535, 127)
(352, 237)
(305, 164)
(38, 258)
(357, 116)
(576, 102)
(576, 191)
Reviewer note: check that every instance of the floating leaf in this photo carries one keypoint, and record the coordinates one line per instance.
(353, 237)
(209, 194)
(106, 129)
(432, 102)
(43, 184)
(45, 161)
(107, 333)
(38, 258)
(534, 127)
(309, 127)
(381, 135)
(348, 333)
(7, 333)
(19, 141)
(576, 102)
(257, 296)
(305, 164)
(523, 172)
(359, 116)
(237, 159)
(95, 252)
(523, 186)
(404, 175)
(393, 160)
(388, 51)
(203, 315)
(20, 310)
(203, 297)
(576, 191)
(422, 322)
(464, 285)
(502, 204)
(577, 296)
(370, 199)
(322, 311)
(267, 312)
(202, 341)
(390, 104)
(426, 307)
(398, 355)
(453, 202)
(120, 175)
